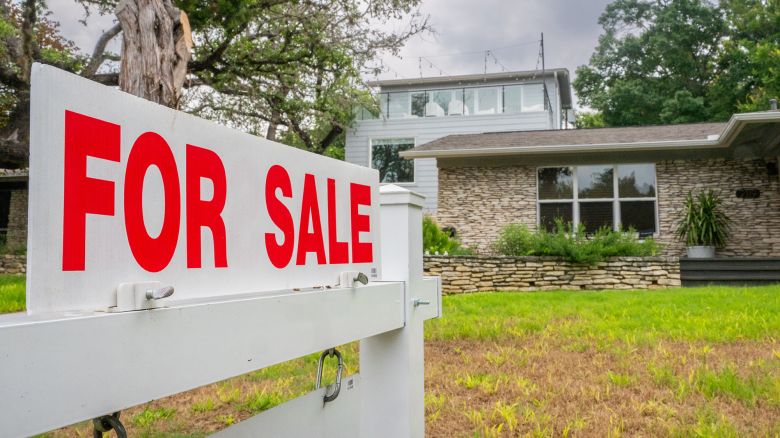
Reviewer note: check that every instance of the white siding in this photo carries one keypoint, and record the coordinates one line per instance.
(424, 130)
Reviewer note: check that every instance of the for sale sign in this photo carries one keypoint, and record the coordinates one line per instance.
(126, 191)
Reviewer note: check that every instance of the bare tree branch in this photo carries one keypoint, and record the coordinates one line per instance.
(99, 53)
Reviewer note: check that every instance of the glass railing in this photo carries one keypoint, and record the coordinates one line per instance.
(464, 101)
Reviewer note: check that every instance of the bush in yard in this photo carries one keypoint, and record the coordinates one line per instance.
(438, 241)
(572, 243)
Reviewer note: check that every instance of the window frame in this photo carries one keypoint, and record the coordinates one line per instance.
(615, 199)
(371, 141)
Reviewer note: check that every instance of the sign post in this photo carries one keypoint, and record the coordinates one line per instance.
(180, 253)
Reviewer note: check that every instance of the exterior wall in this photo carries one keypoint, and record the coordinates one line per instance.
(486, 273)
(756, 222)
(424, 130)
(17, 220)
(479, 201)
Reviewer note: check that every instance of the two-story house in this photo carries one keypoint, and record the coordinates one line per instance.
(417, 111)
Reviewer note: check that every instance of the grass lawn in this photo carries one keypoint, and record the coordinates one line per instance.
(677, 362)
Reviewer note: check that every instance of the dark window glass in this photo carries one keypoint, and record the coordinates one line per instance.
(391, 166)
(639, 215)
(549, 212)
(5, 208)
(555, 183)
(595, 215)
(636, 180)
(595, 182)
(418, 104)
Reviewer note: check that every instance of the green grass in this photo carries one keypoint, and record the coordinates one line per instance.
(710, 314)
(12, 293)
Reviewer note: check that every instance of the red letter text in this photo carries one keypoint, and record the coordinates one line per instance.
(85, 137)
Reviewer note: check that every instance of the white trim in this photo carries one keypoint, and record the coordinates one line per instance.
(733, 127)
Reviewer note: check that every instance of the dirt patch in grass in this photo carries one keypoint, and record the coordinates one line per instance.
(546, 388)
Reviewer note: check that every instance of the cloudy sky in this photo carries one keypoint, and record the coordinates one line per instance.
(510, 29)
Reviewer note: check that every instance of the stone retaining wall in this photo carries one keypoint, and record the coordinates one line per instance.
(461, 274)
(13, 264)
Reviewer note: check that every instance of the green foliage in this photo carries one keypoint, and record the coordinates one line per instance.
(151, 415)
(292, 70)
(704, 223)
(438, 241)
(587, 120)
(682, 61)
(572, 243)
(715, 314)
(12, 296)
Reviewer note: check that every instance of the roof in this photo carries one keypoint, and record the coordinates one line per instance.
(659, 137)
(562, 74)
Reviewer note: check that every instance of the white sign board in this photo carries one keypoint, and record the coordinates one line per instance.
(126, 191)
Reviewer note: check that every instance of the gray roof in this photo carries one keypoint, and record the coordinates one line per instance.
(632, 134)
(759, 131)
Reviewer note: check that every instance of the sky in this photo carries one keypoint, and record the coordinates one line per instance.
(464, 30)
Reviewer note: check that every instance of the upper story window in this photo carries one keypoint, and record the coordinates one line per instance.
(619, 197)
(465, 101)
(391, 166)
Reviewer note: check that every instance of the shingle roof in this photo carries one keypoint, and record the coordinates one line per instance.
(597, 136)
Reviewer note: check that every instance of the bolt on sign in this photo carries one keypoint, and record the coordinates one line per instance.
(123, 190)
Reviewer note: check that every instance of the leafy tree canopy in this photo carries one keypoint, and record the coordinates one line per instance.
(287, 69)
(682, 61)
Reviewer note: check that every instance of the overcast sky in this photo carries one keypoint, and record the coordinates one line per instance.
(510, 29)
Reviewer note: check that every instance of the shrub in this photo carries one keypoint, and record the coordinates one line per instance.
(437, 241)
(704, 222)
(572, 243)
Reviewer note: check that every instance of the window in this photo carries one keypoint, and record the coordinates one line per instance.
(533, 97)
(419, 99)
(619, 196)
(398, 106)
(512, 99)
(392, 167)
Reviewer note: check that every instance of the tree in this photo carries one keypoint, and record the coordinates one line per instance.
(289, 69)
(27, 35)
(750, 61)
(649, 51)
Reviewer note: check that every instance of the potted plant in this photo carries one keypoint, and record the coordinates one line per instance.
(704, 226)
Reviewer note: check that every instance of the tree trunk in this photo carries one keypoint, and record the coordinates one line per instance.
(156, 43)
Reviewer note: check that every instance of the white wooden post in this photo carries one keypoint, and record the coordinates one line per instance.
(391, 364)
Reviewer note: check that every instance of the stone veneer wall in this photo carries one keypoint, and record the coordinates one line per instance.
(13, 264)
(17, 220)
(461, 274)
(756, 222)
(479, 201)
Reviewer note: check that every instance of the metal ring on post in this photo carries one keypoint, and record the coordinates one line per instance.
(106, 423)
(336, 386)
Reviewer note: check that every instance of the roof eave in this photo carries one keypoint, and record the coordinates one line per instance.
(734, 125)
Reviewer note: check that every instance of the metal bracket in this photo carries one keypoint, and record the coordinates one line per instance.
(351, 278)
(107, 423)
(141, 296)
(336, 386)
(420, 302)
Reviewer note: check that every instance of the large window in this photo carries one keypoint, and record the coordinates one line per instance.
(391, 166)
(465, 101)
(619, 196)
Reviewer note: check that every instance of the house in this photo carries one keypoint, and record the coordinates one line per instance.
(418, 111)
(615, 177)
